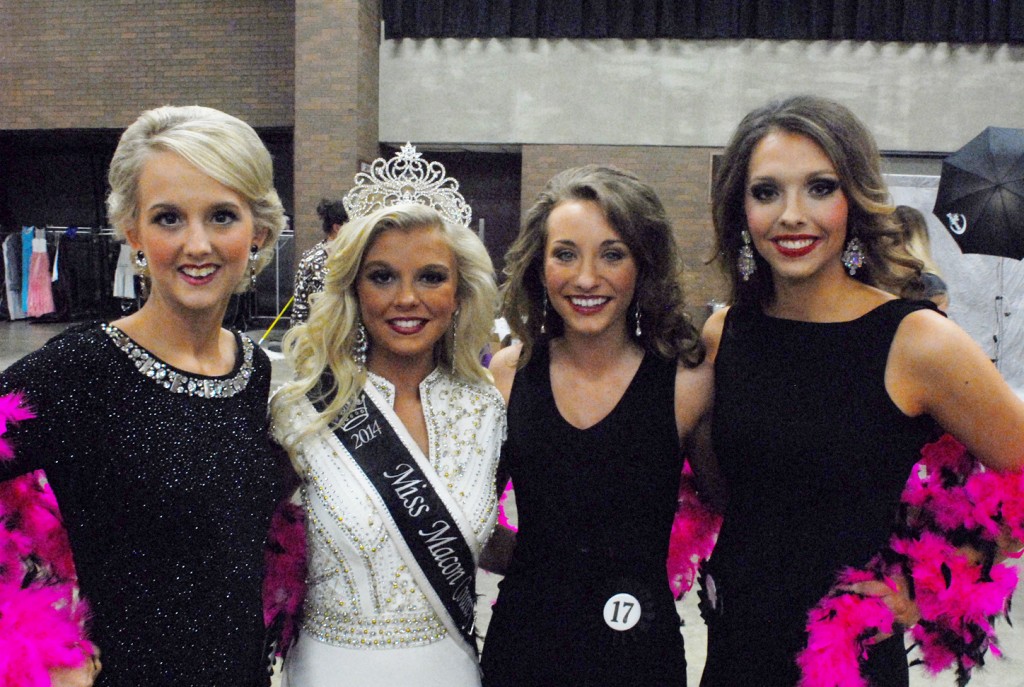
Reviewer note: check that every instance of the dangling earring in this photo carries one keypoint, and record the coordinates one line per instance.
(853, 256)
(544, 314)
(142, 269)
(745, 263)
(254, 254)
(360, 345)
(455, 334)
(638, 331)
(141, 264)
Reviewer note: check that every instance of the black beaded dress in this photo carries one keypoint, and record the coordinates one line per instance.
(595, 514)
(815, 455)
(166, 482)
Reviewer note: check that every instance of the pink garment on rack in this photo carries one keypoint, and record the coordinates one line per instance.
(40, 293)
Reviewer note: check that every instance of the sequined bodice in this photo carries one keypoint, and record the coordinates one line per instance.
(166, 497)
(360, 590)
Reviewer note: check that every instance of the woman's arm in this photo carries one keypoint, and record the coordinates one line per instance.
(503, 367)
(497, 552)
(935, 368)
(496, 555)
(694, 399)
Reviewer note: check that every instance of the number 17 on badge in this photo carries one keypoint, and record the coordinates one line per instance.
(622, 612)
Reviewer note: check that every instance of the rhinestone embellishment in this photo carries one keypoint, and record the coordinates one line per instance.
(179, 383)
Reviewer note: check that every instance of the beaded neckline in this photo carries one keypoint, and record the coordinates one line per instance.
(178, 382)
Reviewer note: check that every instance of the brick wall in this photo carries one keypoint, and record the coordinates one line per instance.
(98, 63)
(681, 177)
(336, 65)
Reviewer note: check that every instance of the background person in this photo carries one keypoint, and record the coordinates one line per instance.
(914, 235)
(309, 273)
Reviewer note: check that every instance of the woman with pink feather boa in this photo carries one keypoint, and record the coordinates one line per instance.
(153, 434)
(827, 387)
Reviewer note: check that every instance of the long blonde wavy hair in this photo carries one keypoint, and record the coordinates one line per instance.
(325, 342)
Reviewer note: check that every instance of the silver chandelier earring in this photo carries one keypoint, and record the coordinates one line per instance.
(544, 314)
(745, 263)
(853, 255)
(638, 330)
(142, 269)
(254, 256)
(360, 345)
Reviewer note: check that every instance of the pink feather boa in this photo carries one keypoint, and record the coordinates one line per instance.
(284, 584)
(694, 532)
(953, 505)
(502, 515)
(42, 620)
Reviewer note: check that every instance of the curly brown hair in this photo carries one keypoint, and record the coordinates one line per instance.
(634, 210)
(853, 152)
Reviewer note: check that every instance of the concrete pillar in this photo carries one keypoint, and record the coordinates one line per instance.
(337, 45)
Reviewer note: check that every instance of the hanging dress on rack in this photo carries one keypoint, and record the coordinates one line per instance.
(27, 234)
(124, 275)
(12, 276)
(40, 292)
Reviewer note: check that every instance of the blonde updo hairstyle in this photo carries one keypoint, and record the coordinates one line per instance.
(325, 342)
(221, 146)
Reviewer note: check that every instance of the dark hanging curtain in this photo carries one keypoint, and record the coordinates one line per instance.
(955, 21)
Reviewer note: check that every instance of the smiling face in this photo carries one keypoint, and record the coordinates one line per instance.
(407, 287)
(795, 207)
(195, 232)
(589, 272)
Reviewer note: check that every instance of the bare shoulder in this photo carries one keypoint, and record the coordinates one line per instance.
(936, 368)
(712, 332)
(926, 339)
(694, 393)
(503, 367)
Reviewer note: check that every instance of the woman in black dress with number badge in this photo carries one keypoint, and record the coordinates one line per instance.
(606, 390)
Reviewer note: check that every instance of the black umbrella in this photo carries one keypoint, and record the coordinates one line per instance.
(981, 194)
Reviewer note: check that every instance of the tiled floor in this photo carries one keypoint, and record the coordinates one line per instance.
(19, 338)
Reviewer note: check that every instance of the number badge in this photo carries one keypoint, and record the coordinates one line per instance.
(622, 612)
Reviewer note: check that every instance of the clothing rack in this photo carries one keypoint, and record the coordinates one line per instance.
(83, 259)
(54, 230)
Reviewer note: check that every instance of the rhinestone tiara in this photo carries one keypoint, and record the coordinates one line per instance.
(407, 178)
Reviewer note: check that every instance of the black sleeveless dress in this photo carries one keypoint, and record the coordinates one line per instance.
(595, 513)
(815, 455)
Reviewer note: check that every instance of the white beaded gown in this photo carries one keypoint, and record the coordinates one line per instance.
(365, 620)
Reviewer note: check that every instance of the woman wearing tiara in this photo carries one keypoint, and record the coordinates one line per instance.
(152, 429)
(395, 429)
